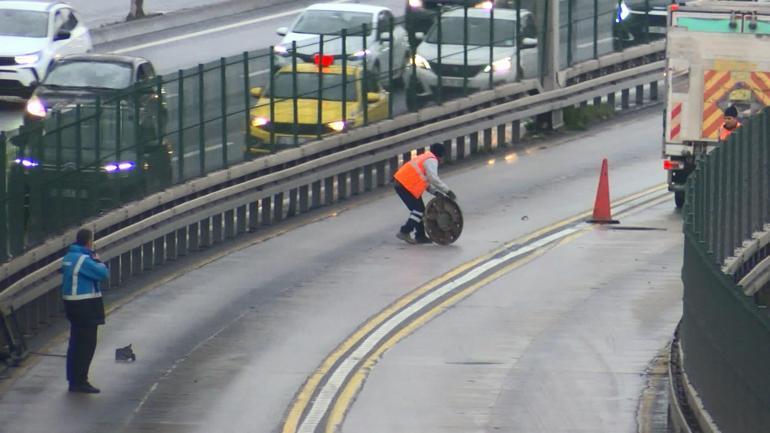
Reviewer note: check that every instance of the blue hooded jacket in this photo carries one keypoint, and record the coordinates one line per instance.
(81, 274)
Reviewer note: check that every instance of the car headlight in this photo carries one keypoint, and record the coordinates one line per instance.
(280, 50)
(415, 4)
(337, 126)
(27, 59)
(485, 5)
(35, 107)
(420, 61)
(502, 65)
(360, 54)
(623, 12)
(259, 121)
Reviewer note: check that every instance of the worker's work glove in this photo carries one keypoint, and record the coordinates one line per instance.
(451, 195)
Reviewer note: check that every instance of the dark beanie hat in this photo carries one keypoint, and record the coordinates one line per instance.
(731, 111)
(437, 149)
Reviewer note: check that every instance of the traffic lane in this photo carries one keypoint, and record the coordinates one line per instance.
(562, 344)
(209, 41)
(105, 12)
(227, 346)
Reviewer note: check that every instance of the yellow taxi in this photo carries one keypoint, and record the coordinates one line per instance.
(307, 92)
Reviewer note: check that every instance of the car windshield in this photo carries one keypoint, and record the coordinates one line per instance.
(307, 86)
(452, 31)
(90, 74)
(25, 24)
(333, 22)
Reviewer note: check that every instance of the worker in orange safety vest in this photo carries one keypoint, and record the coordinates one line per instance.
(729, 124)
(413, 178)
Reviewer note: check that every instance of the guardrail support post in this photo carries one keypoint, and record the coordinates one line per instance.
(230, 223)
(381, 174)
(147, 256)
(502, 140)
(182, 242)
(278, 207)
(253, 216)
(136, 261)
(316, 194)
(515, 132)
(460, 148)
(355, 181)
(488, 140)
(240, 220)
(342, 186)
(160, 251)
(304, 198)
(474, 143)
(369, 177)
(639, 95)
(611, 101)
(216, 229)
(328, 190)
(625, 96)
(654, 91)
(266, 211)
(171, 246)
(292, 203)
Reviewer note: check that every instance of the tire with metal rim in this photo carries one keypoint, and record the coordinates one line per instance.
(443, 220)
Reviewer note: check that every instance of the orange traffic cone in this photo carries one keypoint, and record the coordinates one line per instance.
(602, 211)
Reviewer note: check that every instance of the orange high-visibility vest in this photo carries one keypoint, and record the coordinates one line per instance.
(724, 133)
(412, 176)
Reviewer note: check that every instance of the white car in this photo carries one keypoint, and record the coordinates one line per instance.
(455, 70)
(329, 20)
(32, 35)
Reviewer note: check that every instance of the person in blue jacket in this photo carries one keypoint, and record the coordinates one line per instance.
(82, 271)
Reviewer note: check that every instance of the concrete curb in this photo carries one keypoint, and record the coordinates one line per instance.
(156, 23)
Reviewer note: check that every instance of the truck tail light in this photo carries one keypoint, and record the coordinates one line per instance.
(672, 165)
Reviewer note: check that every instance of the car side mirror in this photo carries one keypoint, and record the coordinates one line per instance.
(419, 36)
(62, 35)
(256, 92)
(282, 31)
(385, 37)
(372, 97)
(528, 43)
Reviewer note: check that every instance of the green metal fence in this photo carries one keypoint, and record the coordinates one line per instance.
(728, 198)
(91, 158)
(725, 334)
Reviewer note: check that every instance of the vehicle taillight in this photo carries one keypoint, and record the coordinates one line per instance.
(672, 165)
(323, 61)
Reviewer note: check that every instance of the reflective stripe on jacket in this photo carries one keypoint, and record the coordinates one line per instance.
(81, 274)
(412, 176)
(724, 133)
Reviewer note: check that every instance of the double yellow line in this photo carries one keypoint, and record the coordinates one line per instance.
(351, 386)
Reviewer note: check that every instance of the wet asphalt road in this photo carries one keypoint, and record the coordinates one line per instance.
(561, 342)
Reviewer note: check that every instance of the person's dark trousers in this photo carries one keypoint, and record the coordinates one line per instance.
(84, 317)
(80, 353)
(416, 210)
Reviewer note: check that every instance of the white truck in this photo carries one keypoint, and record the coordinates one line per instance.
(718, 54)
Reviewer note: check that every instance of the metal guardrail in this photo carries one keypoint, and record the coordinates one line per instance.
(182, 219)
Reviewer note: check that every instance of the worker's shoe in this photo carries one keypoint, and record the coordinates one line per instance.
(85, 388)
(406, 237)
(422, 240)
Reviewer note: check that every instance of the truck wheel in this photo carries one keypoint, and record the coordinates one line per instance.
(679, 199)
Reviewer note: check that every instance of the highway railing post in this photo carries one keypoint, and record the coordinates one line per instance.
(365, 76)
(271, 91)
(3, 197)
(344, 75)
(180, 127)
(439, 69)
(491, 47)
(294, 102)
(390, 67)
(319, 106)
(465, 49)
(518, 40)
(246, 97)
(201, 123)
(569, 31)
(223, 105)
(596, 29)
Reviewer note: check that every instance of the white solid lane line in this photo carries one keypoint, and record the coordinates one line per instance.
(215, 30)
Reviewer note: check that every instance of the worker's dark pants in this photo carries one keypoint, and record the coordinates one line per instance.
(416, 210)
(80, 353)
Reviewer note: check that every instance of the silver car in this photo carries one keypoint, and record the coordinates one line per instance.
(329, 20)
(457, 70)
